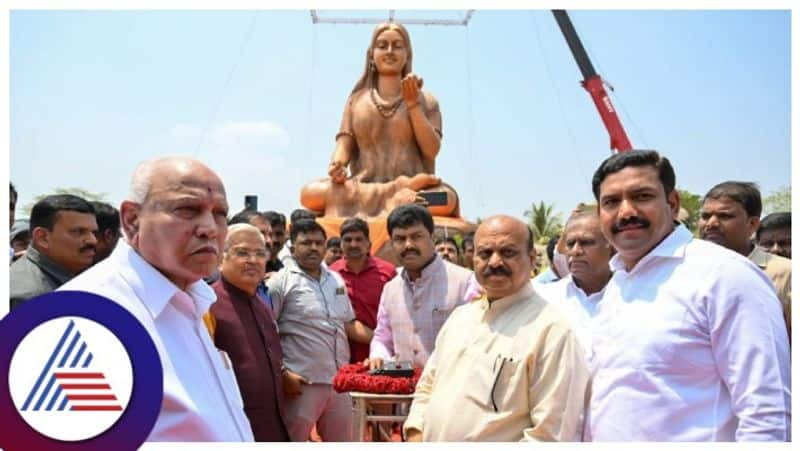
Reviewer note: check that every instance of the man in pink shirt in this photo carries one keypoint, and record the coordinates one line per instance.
(415, 304)
(364, 276)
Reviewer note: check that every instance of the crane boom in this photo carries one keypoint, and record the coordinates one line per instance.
(593, 84)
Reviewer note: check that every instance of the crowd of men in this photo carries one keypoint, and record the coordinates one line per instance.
(636, 330)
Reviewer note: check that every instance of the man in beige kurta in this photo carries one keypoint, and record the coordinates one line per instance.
(506, 367)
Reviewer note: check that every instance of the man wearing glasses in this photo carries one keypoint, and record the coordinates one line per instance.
(244, 328)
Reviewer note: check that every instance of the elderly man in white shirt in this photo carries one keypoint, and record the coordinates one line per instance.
(578, 293)
(175, 222)
(689, 342)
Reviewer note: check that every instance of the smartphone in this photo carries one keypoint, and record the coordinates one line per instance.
(434, 198)
(251, 202)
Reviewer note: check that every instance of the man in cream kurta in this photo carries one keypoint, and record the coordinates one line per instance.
(506, 367)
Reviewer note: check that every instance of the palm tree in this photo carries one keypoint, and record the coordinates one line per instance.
(544, 223)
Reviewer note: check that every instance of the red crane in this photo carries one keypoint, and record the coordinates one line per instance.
(593, 84)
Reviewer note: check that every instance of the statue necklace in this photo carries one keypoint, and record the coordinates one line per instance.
(387, 109)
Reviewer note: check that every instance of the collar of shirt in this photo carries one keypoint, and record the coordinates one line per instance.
(155, 290)
(342, 267)
(498, 306)
(427, 272)
(759, 257)
(573, 288)
(673, 246)
(324, 272)
(47, 265)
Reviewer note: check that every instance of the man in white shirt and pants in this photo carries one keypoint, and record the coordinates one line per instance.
(175, 222)
(689, 342)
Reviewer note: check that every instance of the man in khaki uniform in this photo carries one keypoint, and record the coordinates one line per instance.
(729, 217)
(779, 270)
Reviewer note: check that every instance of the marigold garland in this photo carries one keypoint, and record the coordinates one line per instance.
(355, 377)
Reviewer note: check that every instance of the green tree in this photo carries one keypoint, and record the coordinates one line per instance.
(778, 200)
(544, 222)
(75, 191)
(692, 203)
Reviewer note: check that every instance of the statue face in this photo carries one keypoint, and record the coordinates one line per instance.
(390, 52)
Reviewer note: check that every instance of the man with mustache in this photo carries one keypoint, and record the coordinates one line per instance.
(415, 304)
(729, 217)
(259, 221)
(506, 367)
(315, 320)
(448, 249)
(688, 342)
(277, 223)
(175, 222)
(62, 245)
(365, 276)
(245, 328)
(579, 292)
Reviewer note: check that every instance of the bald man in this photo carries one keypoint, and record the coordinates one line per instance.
(175, 223)
(508, 364)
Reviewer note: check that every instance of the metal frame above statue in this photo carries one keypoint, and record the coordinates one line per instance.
(386, 148)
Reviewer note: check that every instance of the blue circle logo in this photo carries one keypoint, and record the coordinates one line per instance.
(81, 372)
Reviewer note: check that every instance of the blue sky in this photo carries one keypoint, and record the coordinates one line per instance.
(258, 96)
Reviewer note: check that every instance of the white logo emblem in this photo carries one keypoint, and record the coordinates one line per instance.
(70, 378)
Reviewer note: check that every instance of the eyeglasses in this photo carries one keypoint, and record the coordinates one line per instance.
(245, 253)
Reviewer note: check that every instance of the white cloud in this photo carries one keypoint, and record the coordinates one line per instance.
(251, 157)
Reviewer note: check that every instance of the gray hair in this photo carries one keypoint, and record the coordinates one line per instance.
(238, 229)
(142, 179)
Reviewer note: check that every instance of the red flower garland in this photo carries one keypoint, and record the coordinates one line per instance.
(355, 377)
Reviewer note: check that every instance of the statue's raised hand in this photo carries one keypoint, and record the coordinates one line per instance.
(337, 172)
(411, 85)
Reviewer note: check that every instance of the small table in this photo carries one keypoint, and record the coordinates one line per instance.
(361, 416)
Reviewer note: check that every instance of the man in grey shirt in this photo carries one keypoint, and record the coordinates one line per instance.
(63, 244)
(315, 319)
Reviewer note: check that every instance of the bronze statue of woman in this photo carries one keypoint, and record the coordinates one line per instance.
(389, 138)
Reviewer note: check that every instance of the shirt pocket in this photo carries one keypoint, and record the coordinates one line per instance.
(340, 307)
(306, 303)
(491, 384)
